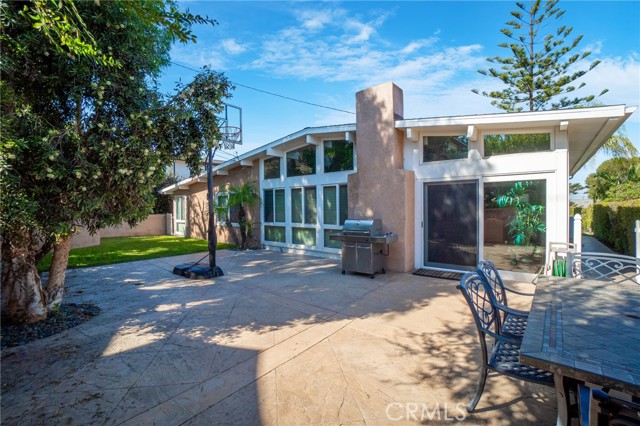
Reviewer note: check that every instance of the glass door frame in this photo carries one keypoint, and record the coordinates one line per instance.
(424, 220)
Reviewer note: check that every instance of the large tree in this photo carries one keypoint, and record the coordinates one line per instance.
(540, 69)
(85, 133)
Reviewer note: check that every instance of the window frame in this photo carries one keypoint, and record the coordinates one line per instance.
(442, 135)
(228, 213)
(302, 148)
(329, 226)
(264, 168)
(274, 222)
(324, 161)
(183, 216)
(526, 131)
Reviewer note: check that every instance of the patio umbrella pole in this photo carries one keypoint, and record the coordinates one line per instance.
(212, 238)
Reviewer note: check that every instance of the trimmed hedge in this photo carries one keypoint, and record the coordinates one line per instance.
(613, 223)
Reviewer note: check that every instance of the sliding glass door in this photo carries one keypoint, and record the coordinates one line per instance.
(451, 224)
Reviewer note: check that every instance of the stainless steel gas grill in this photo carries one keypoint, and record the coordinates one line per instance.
(364, 246)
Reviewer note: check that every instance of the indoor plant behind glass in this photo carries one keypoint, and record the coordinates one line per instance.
(528, 220)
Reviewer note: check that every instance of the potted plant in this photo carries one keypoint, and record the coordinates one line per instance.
(528, 220)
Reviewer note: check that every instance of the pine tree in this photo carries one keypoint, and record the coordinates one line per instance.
(541, 69)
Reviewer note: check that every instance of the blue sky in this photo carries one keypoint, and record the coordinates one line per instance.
(324, 52)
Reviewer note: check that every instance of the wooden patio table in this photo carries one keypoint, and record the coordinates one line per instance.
(587, 331)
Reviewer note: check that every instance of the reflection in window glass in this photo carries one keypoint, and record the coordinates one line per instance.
(327, 241)
(310, 206)
(223, 209)
(338, 156)
(330, 205)
(279, 205)
(272, 168)
(274, 233)
(296, 205)
(437, 148)
(301, 162)
(344, 204)
(304, 236)
(515, 224)
(268, 205)
(514, 143)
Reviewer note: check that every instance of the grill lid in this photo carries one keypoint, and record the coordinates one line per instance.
(362, 226)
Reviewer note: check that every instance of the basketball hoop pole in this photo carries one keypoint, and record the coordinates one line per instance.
(212, 238)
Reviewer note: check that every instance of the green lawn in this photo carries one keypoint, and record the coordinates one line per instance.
(127, 249)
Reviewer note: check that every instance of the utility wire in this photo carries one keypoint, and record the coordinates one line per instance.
(274, 94)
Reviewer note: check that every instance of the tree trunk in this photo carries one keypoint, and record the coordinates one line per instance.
(23, 299)
(59, 262)
(242, 220)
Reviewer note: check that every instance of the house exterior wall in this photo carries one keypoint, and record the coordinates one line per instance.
(198, 208)
(382, 188)
(319, 181)
(551, 166)
(389, 177)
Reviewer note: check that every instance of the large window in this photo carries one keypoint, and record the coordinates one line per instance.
(274, 205)
(338, 156)
(304, 211)
(437, 148)
(335, 208)
(180, 214)
(515, 224)
(498, 144)
(302, 161)
(304, 205)
(335, 204)
(272, 168)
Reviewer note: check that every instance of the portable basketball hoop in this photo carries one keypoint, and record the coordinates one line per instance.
(230, 136)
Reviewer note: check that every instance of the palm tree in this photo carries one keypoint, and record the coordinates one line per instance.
(243, 196)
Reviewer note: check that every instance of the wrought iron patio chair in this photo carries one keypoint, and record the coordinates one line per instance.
(609, 410)
(605, 267)
(504, 354)
(510, 321)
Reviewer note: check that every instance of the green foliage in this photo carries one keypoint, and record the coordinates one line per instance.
(129, 249)
(576, 188)
(616, 179)
(338, 156)
(540, 69)
(85, 142)
(163, 203)
(613, 223)
(587, 220)
(243, 197)
(529, 219)
(514, 143)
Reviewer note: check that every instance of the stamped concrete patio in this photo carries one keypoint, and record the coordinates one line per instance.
(280, 339)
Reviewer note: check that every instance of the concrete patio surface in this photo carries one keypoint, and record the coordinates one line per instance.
(280, 339)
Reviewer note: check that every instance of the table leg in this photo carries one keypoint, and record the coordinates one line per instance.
(562, 393)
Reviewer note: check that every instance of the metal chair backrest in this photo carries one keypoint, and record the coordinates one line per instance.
(605, 267)
(485, 315)
(489, 271)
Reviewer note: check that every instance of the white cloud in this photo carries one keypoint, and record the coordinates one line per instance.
(317, 19)
(198, 56)
(232, 47)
